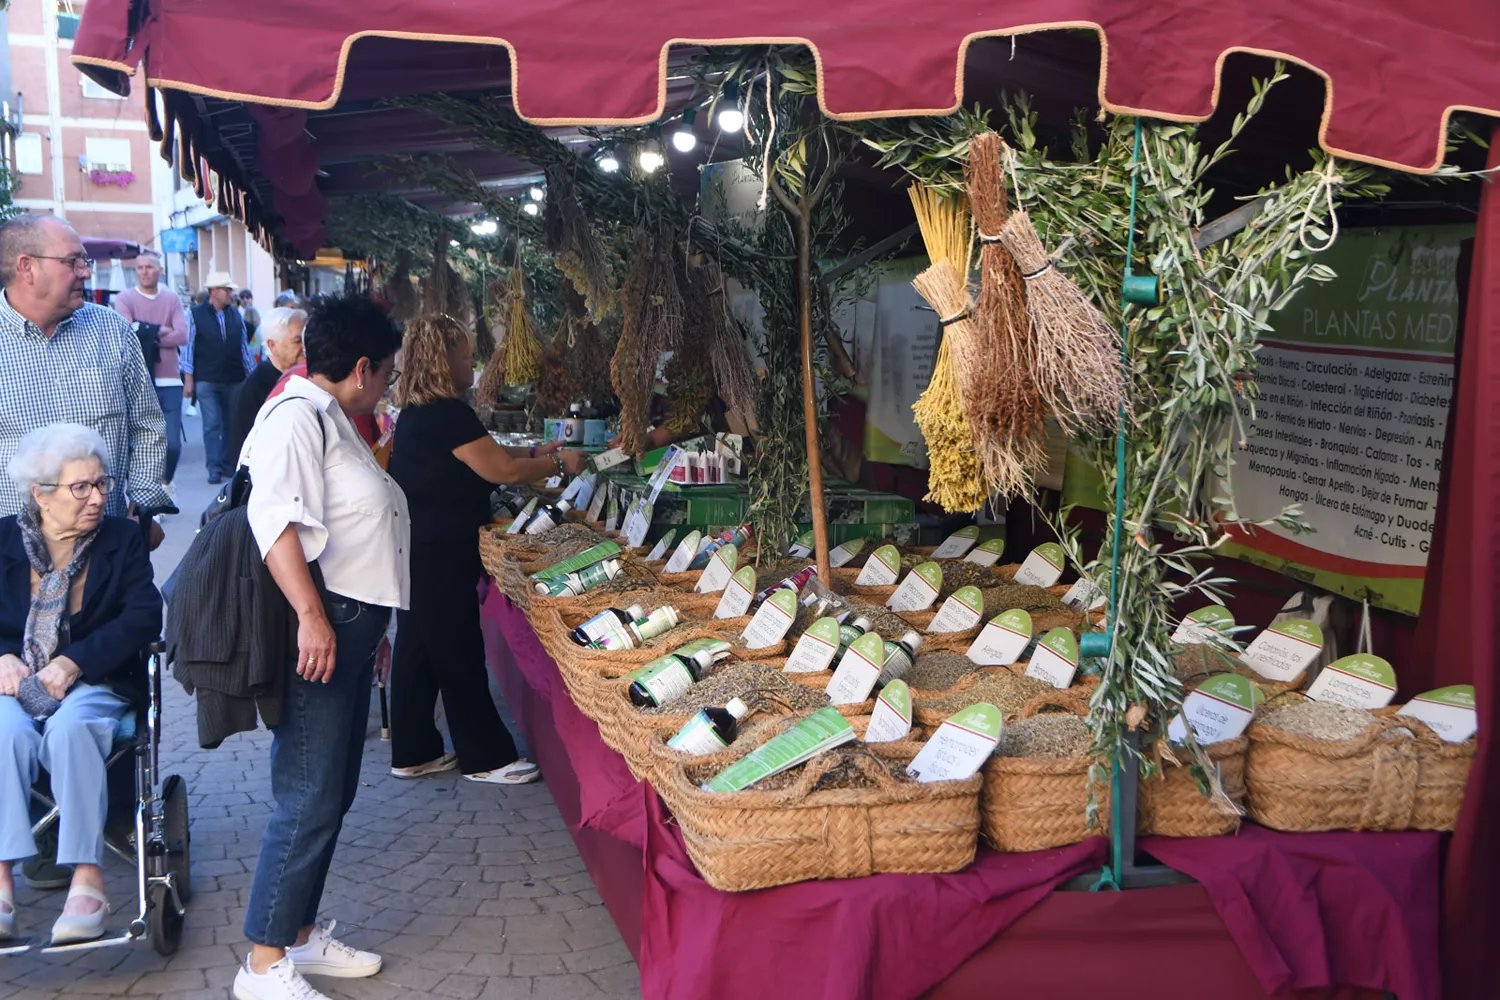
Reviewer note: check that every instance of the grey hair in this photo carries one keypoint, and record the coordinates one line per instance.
(22, 234)
(40, 456)
(287, 298)
(274, 323)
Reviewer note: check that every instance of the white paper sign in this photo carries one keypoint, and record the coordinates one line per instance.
(1359, 681)
(891, 720)
(1203, 626)
(612, 509)
(957, 545)
(715, 577)
(635, 532)
(1056, 658)
(815, 649)
(1084, 596)
(882, 568)
(1003, 640)
(960, 612)
(843, 554)
(596, 505)
(574, 493)
(610, 459)
(737, 595)
(987, 553)
(960, 746)
(1220, 709)
(1043, 567)
(802, 547)
(1450, 711)
(663, 472)
(772, 621)
(686, 550)
(1284, 650)
(918, 590)
(858, 670)
(662, 544)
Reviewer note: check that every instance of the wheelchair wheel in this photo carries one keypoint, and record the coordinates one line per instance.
(164, 921)
(175, 826)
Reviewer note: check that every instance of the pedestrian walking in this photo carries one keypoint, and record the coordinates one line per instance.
(214, 364)
(148, 302)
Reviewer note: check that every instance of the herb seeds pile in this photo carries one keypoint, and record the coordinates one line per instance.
(1052, 735)
(1322, 720)
(1006, 691)
(939, 671)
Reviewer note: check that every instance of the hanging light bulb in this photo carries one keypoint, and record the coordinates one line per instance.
(731, 118)
(685, 140)
(485, 227)
(607, 161)
(531, 208)
(537, 194)
(649, 159)
(453, 243)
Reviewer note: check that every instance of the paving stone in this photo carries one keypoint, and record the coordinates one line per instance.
(565, 988)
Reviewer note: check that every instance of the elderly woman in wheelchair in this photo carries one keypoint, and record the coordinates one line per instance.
(77, 606)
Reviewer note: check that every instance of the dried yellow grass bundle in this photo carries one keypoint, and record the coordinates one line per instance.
(572, 239)
(953, 476)
(523, 354)
(944, 223)
(633, 384)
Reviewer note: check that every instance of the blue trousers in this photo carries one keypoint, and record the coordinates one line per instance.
(216, 400)
(72, 745)
(316, 752)
(170, 398)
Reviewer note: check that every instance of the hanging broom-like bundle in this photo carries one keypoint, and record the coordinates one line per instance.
(579, 253)
(399, 291)
(708, 314)
(491, 380)
(522, 352)
(633, 383)
(953, 476)
(443, 290)
(995, 369)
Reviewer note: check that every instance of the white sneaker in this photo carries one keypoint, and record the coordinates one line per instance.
(446, 762)
(282, 981)
(521, 772)
(325, 955)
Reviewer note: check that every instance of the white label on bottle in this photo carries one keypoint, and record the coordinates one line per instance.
(610, 459)
(1219, 710)
(1084, 596)
(772, 621)
(987, 553)
(596, 505)
(666, 680)
(1003, 640)
(520, 520)
(683, 556)
(704, 542)
(738, 594)
(1056, 658)
(574, 489)
(891, 720)
(1449, 711)
(960, 612)
(698, 737)
(1359, 681)
(844, 553)
(858, 671)
(662, 544)
(715, 577)
(1043, 567)
(882, 568)
(1285, 650)
(960, 746)
(816, 649)
(918, 590)
(956, 545)
(1204, 626)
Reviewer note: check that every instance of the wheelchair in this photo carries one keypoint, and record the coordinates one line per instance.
(157, 843)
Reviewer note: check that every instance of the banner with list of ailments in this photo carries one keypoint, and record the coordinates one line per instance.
(1354, 386)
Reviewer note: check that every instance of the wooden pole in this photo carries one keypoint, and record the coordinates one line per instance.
(809, 401)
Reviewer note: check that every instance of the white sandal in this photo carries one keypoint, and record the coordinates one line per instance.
(8, 918)
(73, 927)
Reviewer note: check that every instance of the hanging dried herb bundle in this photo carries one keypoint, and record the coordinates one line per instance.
(576, 246)
(399, 291)
(443, 290)
(995, 367)
(632, 381)
(522, 352)
(554, 386)
(708, 317)
(587, 359)
(492, 379)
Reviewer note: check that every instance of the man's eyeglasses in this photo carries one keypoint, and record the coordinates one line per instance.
(79, 263)
(390, 379)
(81, 491)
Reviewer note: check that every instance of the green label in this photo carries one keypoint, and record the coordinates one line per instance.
(1015, 620)
(820, 731)
(1459, 696)
(786, 600)
(971, 598)
(1215, 614)
(1052, 552)
(1302, 629)
(805, 542)
(971, 531)
(1064, 643)
(843, 553)
(826, 629)
(1371, 668)
(889, 555)
(870, 646)
(729, 555)
(995, 545)
(932, 573)
(982, 718)
(745, 578)
(591, 555)
(715, 646)
(1232, 688)
(897, 695)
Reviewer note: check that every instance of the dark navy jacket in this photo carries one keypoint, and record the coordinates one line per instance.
(121, 612)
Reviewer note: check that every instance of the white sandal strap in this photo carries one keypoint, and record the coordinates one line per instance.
(90, 892)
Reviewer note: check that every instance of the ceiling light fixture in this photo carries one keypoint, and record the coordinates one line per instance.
(731, 118)
(649, 159)
(685, 140)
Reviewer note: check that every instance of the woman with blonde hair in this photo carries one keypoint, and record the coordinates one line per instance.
(446, 461)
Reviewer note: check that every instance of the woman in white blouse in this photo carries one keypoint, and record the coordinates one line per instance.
(318, 497)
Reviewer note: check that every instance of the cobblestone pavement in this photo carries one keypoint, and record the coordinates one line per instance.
(470, 891)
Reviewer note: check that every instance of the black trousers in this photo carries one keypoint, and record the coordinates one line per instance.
(440, 650)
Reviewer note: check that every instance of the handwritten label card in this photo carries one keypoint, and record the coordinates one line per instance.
(1219, 710)
(1003, 640)
(1285, 649)
(881, 569)
(1084, 596)
(683, 555)
(737, 595)
(891, 720)
(1056, 658)
(1204, 625)
(843, 554)
(816, 649)
(960, 612)
(957, 545)
(1043, 567)
(659, 550)
(771, 622)
(720, 569)
(1359, 681)
(858, 670)
(960, 746)
(987, 553)
(1450, 711)
(918, 590)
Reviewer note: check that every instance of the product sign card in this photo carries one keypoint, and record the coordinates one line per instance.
(669, 461)
(715, 577)
(802, 547)
(816, 649)
(1204, 625)
(960, 612)
(1285, 649)
(683, 554)
(596, 505)
(1219, 710)
(1056, 658)
(1450, 711)
(771, 622)
(612, 509)
(1359, 681)
(659, 550)
(957, 545)
(1084, 596)
(522, 518)
(640, 523)
(552, 482)
(891, 720)
(703, 543)
(1043, 567)
(1003, 640)
(960, 746)
(610, 459)
(881, 569)
(987, 553)
(738, 594)
(843, 554)
(858, 670)
(574, 491)
(918, 590)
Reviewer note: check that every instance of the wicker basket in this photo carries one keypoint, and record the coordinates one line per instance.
(757, 839)
(1206, 661)
(1032, 804)
(1397, 775)
(1171, 804)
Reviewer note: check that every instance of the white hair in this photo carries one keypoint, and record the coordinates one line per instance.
(42, 453)
(274, 323)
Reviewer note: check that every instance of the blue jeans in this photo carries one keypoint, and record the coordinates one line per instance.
(316, 752)
(170, 398)
(72, 745)
(216, 400)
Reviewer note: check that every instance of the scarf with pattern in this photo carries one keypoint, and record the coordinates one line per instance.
(47, 621)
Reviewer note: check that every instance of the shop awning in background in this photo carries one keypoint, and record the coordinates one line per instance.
(1395, 68)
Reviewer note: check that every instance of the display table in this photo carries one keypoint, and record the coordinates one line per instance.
(1274, 913)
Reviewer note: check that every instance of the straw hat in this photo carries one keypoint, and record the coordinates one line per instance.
(220, 279)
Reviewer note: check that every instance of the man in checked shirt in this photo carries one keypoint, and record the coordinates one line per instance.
(69, 361)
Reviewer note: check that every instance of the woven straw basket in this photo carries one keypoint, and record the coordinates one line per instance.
(1171, 805)
(1032, 804)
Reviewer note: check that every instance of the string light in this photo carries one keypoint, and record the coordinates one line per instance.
(685, 140)
(531, 208)
(649, 159)
(731, 118)
(537, 194)
(608, 163)
(485, 227)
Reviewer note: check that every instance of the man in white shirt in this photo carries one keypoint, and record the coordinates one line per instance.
(149, 303)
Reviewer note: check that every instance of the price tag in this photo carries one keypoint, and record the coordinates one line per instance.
(596, 505)
(1359, 681)
(960, 612)
(1056, 658)
(1219, 710)
(640, 523)
(843, 554)
(891, 720)
(1084, 596)
(881, 569)
(715, 577)
(610, 459)
(1285, 649)
(684, 553)
(858, 671)
(1204, 625)
(802, 547)
(958, 544)
(771, 622)
(669, 461)
(918, 590)
(816, 649)
(1003, 640)
(960, 746)
(988, 553)
(522, 518)
(612, 509)
(659, 550)
(737, 595)
(1043, 567)
(1450, 711)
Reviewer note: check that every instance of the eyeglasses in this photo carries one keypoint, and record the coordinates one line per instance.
(82, 491)
(79, 263)
(390, 379)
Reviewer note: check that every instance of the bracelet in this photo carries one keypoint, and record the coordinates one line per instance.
(557, 461)
(533, 450)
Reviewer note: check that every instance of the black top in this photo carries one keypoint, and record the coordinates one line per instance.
(218, 358)
(447, 499)
(248, 399)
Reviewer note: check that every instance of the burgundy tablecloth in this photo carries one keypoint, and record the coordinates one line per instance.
(1305, 910)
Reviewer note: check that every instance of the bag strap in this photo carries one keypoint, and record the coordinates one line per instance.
(317, 411)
